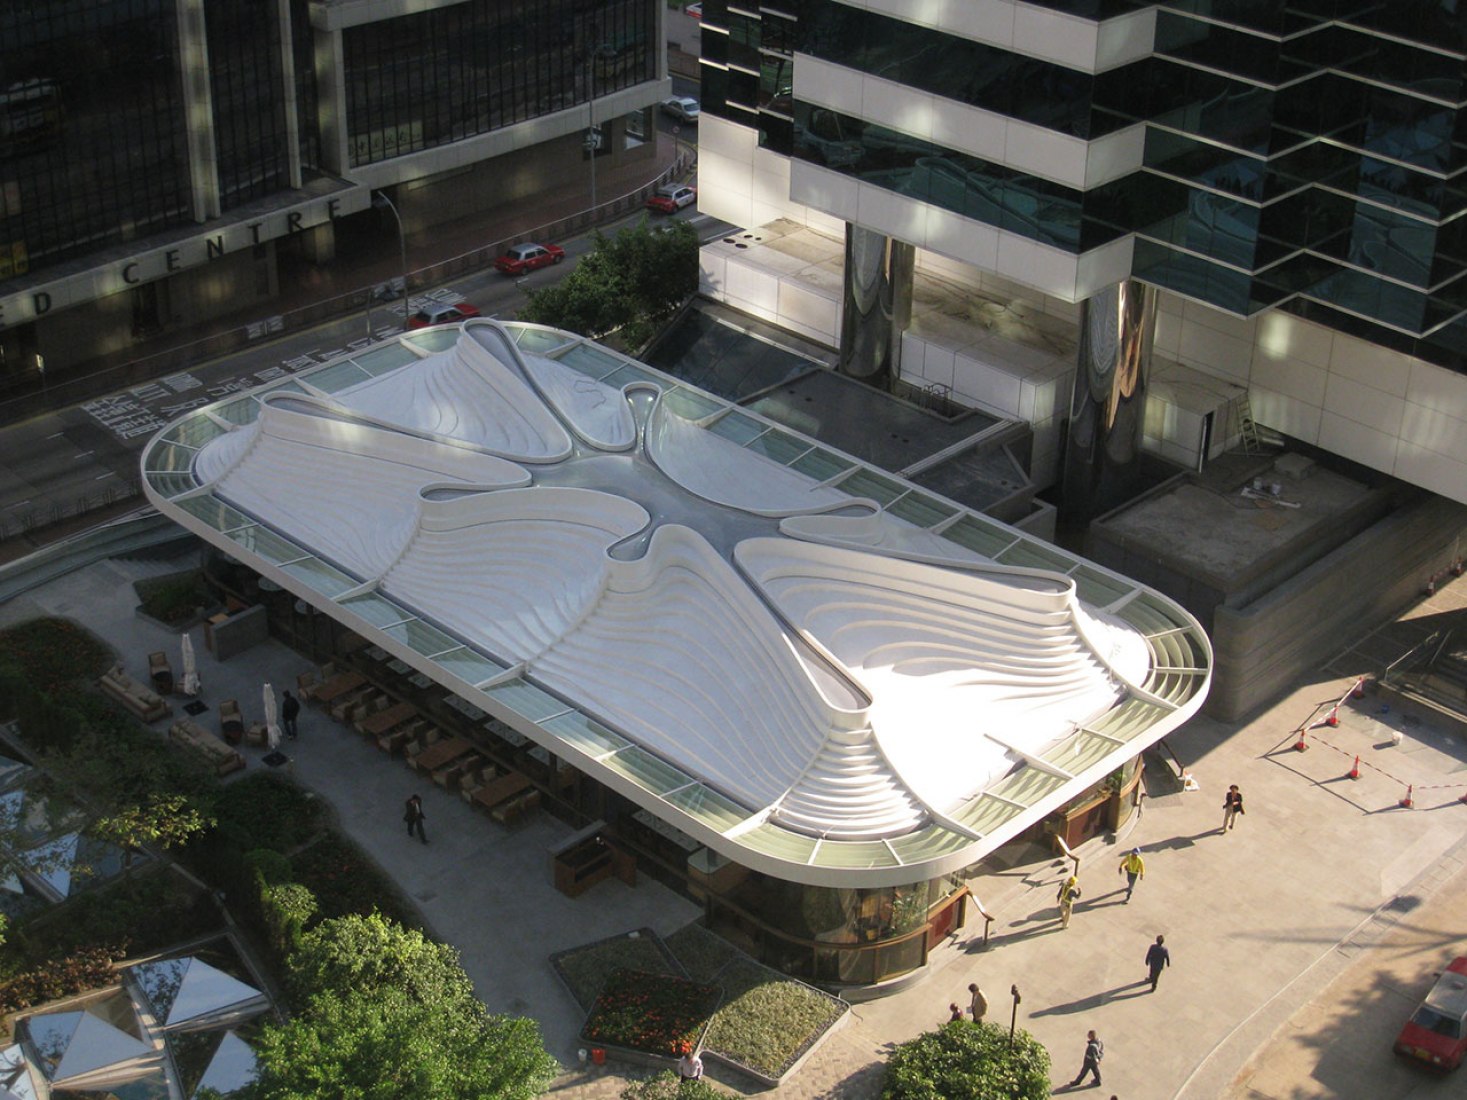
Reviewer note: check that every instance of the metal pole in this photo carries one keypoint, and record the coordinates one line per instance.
(1014, 1019)
(592, 135)
(380, 200)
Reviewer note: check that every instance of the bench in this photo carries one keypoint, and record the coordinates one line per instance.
(191, 735)
(142, 700)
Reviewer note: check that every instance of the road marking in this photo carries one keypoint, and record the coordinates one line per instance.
(58, 435)
(82, 454)
(109, 473)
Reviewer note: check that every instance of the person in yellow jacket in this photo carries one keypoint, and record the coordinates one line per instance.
(1069, 890)
(1133, 867)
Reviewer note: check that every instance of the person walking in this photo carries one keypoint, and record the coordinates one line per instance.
(290, 710)
(977, 1002)
(1232, 807)
(1069, 890)
(414, 816)
(1157, 958)
(1133, 867)
(1094, 1052)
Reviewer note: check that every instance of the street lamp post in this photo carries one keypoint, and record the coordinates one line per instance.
(592, 134)
(1014, 1017)
(381, 201)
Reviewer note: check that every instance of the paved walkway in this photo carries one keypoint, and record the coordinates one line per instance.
(1318, 879)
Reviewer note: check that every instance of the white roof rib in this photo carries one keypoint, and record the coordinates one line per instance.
(797, 677)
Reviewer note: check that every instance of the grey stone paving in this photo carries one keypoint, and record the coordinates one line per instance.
(1259, 920)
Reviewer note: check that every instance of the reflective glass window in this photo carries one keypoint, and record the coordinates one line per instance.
(246, 91)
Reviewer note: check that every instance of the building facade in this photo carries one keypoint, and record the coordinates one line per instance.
(164, 162)
(1265, 199)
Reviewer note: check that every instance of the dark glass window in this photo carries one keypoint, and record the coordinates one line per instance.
(92, 145)
(303, 46)
(434, 77)
(246, 86)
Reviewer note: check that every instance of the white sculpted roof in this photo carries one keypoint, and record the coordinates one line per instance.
(684, 602)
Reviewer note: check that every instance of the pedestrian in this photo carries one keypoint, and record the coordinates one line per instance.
(1133, 867)
(1069, 890)
(1232, 807)
(954, 1013)
(290, 710)
(977, 1002)
(1157, 957)
(1094, 1052)
(690, 1065)
(414, 816)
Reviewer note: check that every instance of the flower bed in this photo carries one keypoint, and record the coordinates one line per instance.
(768, 1022)
(650, 1013)
(701, 953)
(586, 969)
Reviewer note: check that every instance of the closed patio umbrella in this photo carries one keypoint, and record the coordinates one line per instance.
(190, 668)
(272, 727)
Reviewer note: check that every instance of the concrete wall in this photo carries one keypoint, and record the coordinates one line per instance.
(1260, 648)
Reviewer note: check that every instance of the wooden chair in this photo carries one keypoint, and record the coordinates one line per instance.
(304, 682)
(451, 775)
(411, 752)
(160, 672)
(231, 721)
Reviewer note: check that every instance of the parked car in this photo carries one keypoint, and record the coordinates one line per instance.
(1436, 1034)
(683, 107)
(440, 314)
(523, 258)
(694, 10)
(672, 197)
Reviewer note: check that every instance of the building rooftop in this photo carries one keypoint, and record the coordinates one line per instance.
(813, 668)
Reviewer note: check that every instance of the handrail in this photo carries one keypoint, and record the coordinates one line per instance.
(1431, 639)
(142, 528)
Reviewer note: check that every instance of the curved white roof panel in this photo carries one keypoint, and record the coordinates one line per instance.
(811, 667)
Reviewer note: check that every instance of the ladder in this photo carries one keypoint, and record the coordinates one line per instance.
(1247, 426)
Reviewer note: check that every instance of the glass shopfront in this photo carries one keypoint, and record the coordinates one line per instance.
(439, 76)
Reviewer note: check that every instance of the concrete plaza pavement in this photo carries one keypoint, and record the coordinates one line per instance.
(1314, 882)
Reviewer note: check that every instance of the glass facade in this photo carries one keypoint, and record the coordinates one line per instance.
(1306, 156)
(246, 77)
(92, 139)
(434, 77)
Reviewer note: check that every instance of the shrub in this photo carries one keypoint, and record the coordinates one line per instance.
(272, 867)
(666, 1086)
(968, 1060)
(64, 976)
(346, 883)
(52, 654)
(286, 909)
(372, 953)
(767, 1021)
(653, 1013)
(263, 811)
(175, 598)
(585, 969)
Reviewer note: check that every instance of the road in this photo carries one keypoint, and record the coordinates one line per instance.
(80, 459)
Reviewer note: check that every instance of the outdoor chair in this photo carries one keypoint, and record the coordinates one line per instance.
(160, 672)
(231, 721)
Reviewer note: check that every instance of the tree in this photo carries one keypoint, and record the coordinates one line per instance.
(381, 1013)
(166, 820)
(968, 1060)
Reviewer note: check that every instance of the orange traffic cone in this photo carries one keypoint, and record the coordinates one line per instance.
(1406, 802)
(1355, 769)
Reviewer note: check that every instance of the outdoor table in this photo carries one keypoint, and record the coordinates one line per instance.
(435, 756)
(338, 686)
(384, 720)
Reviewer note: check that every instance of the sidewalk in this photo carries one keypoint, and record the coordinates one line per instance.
(1319, 871)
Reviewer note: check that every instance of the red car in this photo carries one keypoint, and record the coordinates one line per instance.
(440, 314)
(1436, 1034)
(672, 198)
(523, 258)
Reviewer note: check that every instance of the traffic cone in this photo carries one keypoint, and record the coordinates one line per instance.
(1333, 718)
(1300, 745)
(1406, 802)
(1358, 691)
(1355, 770)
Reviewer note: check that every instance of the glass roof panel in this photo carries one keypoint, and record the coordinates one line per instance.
(195, 430)
(821, 464)
(627, 374)
(590, 360)
(322, 577)
(866, 483)
(245, 410)
(1079, 751)
(738, 427)
(929, 843)
(771, 839)
(165, 456)
(980, 537)
(421, 637)
(1026, 785)
(984, 814)
(651, 772)
(709, 807)
(160, 982)
(779, 446)
(862, 853)
(922, 510)
(386, 358)
(537, 339)
(526, 700)
(214, 512)
(1099, 589)
(376, 610)
(469, 666)
(267, 544)
(171, 485)
(338, 376)
(12, 770)
(1036, 555)
(586, 734)
(231, 1068)
(690, 404)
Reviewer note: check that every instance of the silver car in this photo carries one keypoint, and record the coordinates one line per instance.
(681, 107)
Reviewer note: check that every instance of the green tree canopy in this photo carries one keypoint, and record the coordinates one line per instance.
(384, 1013)
(968, 1060)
